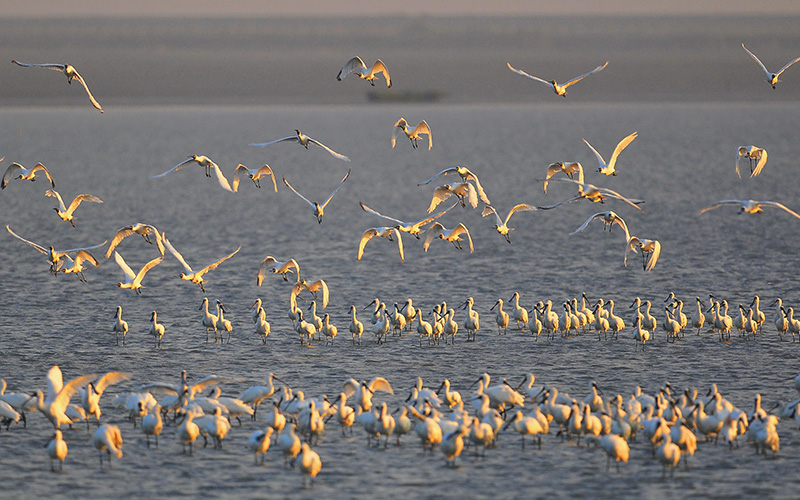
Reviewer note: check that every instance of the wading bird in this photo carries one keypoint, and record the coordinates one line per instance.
(772, 78)
(753, 154)
(203, 161)
(304, 141)
(558, 89)
(356, 65)
(16, 171)
(65, 213)
(71, 73)
(609, 168)
(319, 210)
(749, 206)
(191, 275)
(412, 134)
(255, 175)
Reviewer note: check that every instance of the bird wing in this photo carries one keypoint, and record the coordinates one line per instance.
(70, 388)
(223, 182)
(719, 204)
(399, 243)
(176, 254)
(53, 66)
(11, 172)
(300, 195)
(110, 379)
(79, 199)
(321, 285)
(337, 188)
(552, 170)
(329, 150)
(600, 159)
(576, 167)
(579, 78)
(39, 167)
(440, 194)
(462, 229)
(587, 221)
(631, 245)
(204, 383)
(781, 206)
(237, 174)
(400, 125)
(150, 265)
(434, 231)
(756, 59)
(522, 207)
(520, 72)
(621, 146)
(740, 151)
(175, 168)
(787, 66)
(433, 217)
(423, 128)
(262, 144)
(54, 194)
(550, 207)
(368, 235)
(214, 265)
(262, 269)
(761, 162)
(451, 170)
(379, 67)
(88, 92)
(488, 209)
(380, 384)
(123, 233)
(614, 194)
(350, 387)
(125, 267)
(34, 245)
(651, 262)
(472, 195)
(352, 65)
(621, 223)
(474, 178)
(83, 255)
(158, 387)
(266, 170)
(374, 212)
(55, 382)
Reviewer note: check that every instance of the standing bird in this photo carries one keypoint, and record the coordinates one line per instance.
(156, 330)
(309, 464)
(356, 65)
(609, 168)
(57, 450)
(72, 74)
(203, 161)
(191, 275)
(152, 424)
(502, 225)
(17, 171)
(259, 443)
(108, 438)
(66, 213)
(356, 327)
(753, 154)
(412, 134)
(772, 78)
(255, 175)
(750, 206)
(558, 89)
(304, 141)
(319, 210)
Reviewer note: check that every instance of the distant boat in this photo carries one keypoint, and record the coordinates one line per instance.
(408, 96)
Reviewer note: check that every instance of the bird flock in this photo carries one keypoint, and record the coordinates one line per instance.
(671, 421)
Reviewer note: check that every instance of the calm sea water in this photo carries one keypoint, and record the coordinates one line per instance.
(682, 161)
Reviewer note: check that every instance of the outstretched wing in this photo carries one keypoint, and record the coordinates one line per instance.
(83, 255)
(756, 59)
(262, 269)
(488, 209)
(741, 151)
(175, 168)
(11, 172)
(110, 379)
(522, 207)
(337, 188)
(787, 66)
(621, 146)
(600, 159)
(262, 144)
(719, 204)
(374, 212)
(354, 64)
(298, 194)
(781, 206)
(368, 235)
(462, 229)
(380, 384)
(440, 194)
(78, 77)
(329, 150)
(579, 78)
(223, 182)
(632, 244)
(550, 207)
(126, 269)
(266, 170)
(614, 194)
(379, 67)
(520, 72)
(237, 174)
(399, 243)
(761, 162)
(53, 66)
(423, 128)
(451, 170)
(55, 194)
(214, 265)
(176, 254)
(34, 245)
(81, 198)
(39, 167)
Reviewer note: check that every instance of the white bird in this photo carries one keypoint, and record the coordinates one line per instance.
(188, 431)
(594, 194)
(772, 78)
(190, 274)
(413, 228)
(558, 89)
(520, 314)
(501, 317)
(313, 287)
(57, 450)
(18, 401)
(466, 175)
(304, 141)
(526, 426)
(651, 250)
(502, 225)
(53, 255)
(309, 464)
(330, 331)
(152, 424)
(255, 175)
(259, 443)
(133, 281)
(668, 454)
(77, 264)
(753, 154)
(319, 210)
(452, 444)
(156, 330)
(609, 168)
(223, 325)
(66, 213)
(17, 171)
(263, 328)
(615, 447)
(412, 134)
(750, 206)
(278, 267)
(71, 73)
(90, 397)
(289, 443)
(144, 230)
(609, 219)
(256, 394)
(452, 235)
(356, 65)
(570, 168)
(464, 191)
(203, 161)
(58, 395)
(362, 392)
(387, 232)
(356, 327)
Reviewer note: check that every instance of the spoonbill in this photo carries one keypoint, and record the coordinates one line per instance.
(191, 275)
(466, 175)
(651, 250)
(71, 73)
(259, 443)
(592, 193)
(144, 230)
(58, 395)
(319, 210)
(53, 255)
(356, 65)
(452, 235)
(463, 191)
(558, 89)
(609, 219)
(309, 464)
(156, 330)
(570, 169)
(304, 141)
(772, 78)
(57, 450)
(387, 232)
(90, 397)
(750, 206)
(255, 175)
(77, 264)
(65, 213)
(753, 154)
(17, 171)
(278, 267)
(609, 168)
(203, 161)
(413, 228)
(313, 287)
(502, 225)
(413, 135)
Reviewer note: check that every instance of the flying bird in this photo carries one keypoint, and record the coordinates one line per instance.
(609, 219)
(466, 175)
(651, 250)
(190, 274)
(464, 191)
(143, 230)
(66, 213)
(387, 232)
(412, 134)
(255, 175)
(304, 141)
(313, 287)
(357, 66)
(278, 267)
(749, 206)
(452, 235)
(133, 281)
(570, 169)
(558, 89)
(203, 161)
(753, 154)
(70, 73)
(592, 193)
(609, 168)
(77, 264)
(502, 225)
(53, 255)
(319, 210)
(772, 78)
(412, 228)
(17, 171)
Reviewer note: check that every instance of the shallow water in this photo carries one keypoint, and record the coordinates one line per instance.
(681, 162)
